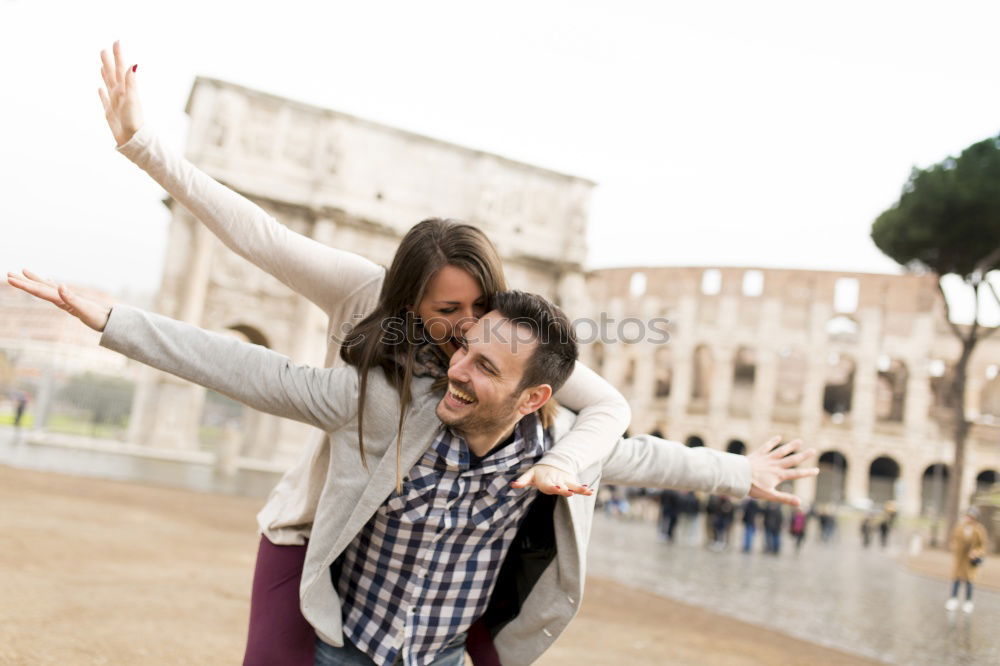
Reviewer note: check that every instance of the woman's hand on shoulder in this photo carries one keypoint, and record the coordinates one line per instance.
(120, 95)
(551, 481)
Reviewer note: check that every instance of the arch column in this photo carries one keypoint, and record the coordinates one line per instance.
(909, 486)
(856, 481)
(166, 410)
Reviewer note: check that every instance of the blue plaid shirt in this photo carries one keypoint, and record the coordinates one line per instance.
(422, 569)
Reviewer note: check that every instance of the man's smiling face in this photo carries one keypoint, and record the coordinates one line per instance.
(484, 377)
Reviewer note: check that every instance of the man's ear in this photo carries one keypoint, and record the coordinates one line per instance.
(533, 398)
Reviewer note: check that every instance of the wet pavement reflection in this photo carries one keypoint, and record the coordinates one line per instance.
(838, 595)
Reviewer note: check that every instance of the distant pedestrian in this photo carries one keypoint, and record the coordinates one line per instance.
(968, 545)
(797, 528)
(751, 514)
(711, 508)
(866, 530)
(690, 506)
(773, 520)
(724, 513)
(827, 523)
(20, 403)
(670, 501)
(886, 523)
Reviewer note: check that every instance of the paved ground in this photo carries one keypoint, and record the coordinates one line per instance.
(107, 572)
(152, 551)
(861, 601)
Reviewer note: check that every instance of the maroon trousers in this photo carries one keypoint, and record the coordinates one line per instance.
(278, 633)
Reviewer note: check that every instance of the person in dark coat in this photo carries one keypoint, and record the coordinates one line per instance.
(670, 501)
(751, 514)
(21, 402)
(773, 520)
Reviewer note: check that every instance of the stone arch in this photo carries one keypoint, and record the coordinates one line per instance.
(839, 389)
(986, 479)
(883, 472)
(989, 400)
(664, 372)
(251, 334)
(934, 489)
(701, 379)
(694, 441)
(226, 423)
(842, 329)
(744, 372)
(942, 375)
(736, 446)
(831, 482)
(890, 391)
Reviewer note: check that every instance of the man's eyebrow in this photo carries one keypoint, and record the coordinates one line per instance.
(487, 359)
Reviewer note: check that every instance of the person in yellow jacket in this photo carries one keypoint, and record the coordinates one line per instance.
(968, 543)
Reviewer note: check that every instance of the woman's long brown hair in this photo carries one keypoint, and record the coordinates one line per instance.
(388, 336)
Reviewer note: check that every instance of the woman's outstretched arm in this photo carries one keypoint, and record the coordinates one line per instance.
(325, 275)
(254, 375)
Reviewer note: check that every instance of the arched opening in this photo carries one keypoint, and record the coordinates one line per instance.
(832, 477)
(597, 357)
(839, 389)
(628, 380)
(701, 380)
(882, 476)
(890, 391)
(989, 399)
(744, 370)
(942, 377)
(933, 489)
(664, 372)
(842, 329)
(985, 480)
(791, 378)
(736, 446)
(694, 440)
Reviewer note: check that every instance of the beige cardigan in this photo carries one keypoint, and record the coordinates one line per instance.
(342, 284)
(327, 398)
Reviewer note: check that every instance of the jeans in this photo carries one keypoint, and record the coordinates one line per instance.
(968, 589)
(453, 654)
(748, 533)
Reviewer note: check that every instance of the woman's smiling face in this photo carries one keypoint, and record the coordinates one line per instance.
(452, 302)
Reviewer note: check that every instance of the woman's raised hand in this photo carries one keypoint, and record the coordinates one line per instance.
(120, 95)
(91, 313)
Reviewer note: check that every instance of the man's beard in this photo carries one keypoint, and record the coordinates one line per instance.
(483, 419)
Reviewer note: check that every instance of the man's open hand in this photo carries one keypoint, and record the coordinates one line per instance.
(771, 464)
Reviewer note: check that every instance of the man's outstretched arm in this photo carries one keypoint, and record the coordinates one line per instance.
(251, 374)
(645, 460)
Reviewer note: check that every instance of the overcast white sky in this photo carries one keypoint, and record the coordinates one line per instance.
(765, 134)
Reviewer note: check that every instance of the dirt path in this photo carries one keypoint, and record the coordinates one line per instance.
(101, 572)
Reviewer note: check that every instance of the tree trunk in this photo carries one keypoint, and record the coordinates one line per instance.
(961, 430)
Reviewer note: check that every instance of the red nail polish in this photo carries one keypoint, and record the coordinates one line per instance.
(134, 67)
